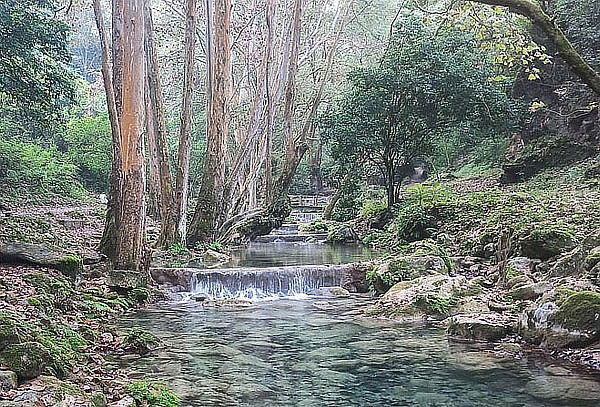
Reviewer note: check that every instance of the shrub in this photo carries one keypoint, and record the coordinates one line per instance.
(153, 395)
(28, 170)
(372, 209)
(89, 147)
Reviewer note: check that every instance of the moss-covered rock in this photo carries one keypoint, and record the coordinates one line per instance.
(12, 330)
(342, 235)
(404, 268)
(8, 380)
(40, 255)
(125, 280)
(141, 341)
(546, 242)
(581, 311)
(26, 359)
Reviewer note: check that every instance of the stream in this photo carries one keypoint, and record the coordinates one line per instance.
(298, 349)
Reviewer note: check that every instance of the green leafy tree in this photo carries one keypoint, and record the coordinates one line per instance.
(425, 84)
(35, 82)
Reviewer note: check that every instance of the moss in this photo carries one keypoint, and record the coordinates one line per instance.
(434, 304)
(545, 241)
(580, 311)
(12, 329)
(141, 341)
(64, 346)
(71, 266)
(26, 359)
(139, 296)
(153, 395)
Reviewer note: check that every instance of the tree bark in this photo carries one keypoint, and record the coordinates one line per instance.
(130, 213)
(185, 129)
(160, 148)
(207, 216)
(534, 11)
(108, 241)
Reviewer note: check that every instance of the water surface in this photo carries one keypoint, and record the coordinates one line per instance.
(320, 352)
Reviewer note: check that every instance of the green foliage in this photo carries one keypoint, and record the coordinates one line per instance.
(434, 304)
(419, 213)
(216, 246)
(177, 249)
(153, 395)
(35, 83)
(27, 170)
(316, 226)
(64, 346)
(89, 147)
(372, 209)
(141, 341)
(427, 83)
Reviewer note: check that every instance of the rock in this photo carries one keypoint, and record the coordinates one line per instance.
(593, 258)
(343, 234)
(126, 279)
(520, 265)
(331, 292)
(124, 402)
(428, 295)
(519, 280)
(27, 359)
(215, 256)
(475, 327)
(575, 323)
(8, 380)
(405, 268)
(11, 330)
(40, 255)
(594, 274)
(529, 291)
(570, 264)
(546, 243)
(562, 388)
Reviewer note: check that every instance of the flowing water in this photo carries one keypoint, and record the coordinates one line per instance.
(322, 352)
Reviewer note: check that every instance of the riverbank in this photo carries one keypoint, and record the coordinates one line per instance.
(497, 263)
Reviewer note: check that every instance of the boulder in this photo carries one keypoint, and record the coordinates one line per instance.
(570, 264)
(343, 234)
(593, 258)
(479, 327)
(8, 380)
(26, 359)
(432, 295)
(405, 268)
(40, 255)
(573, 323)
(215, 256)
(12, 330)
(124, 280)
(529, 291)
(546, 243)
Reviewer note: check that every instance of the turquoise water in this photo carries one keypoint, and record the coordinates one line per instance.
(322, 352)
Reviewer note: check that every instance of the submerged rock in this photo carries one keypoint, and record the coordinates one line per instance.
(563, 388)
(486, 327)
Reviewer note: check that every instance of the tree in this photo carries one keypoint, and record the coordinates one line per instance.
(534, 11)
(426, 83)
(124, 231)
(35, 83)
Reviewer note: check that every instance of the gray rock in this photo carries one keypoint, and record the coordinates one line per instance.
(529, 291)
(8, 380)
(40, 255)
(562, 388)
(126, 279)
(486, 327)
(544, 244)
(27, 359)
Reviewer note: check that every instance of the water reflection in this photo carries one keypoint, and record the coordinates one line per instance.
(311, 353)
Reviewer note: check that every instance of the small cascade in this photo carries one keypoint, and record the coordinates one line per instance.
(271, 282)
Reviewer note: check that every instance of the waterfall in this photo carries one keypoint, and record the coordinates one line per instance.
(270, 282)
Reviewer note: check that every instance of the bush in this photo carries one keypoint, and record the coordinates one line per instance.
(89, 146)
(419, 213)
(372, 209)
(153, 395)
(28, 170)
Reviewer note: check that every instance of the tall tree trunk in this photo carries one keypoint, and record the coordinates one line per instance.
(185, 129)
(130, 214)
(207, 216)
(160, 148)
(113, 89)
(534, 11)
(153, 164)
